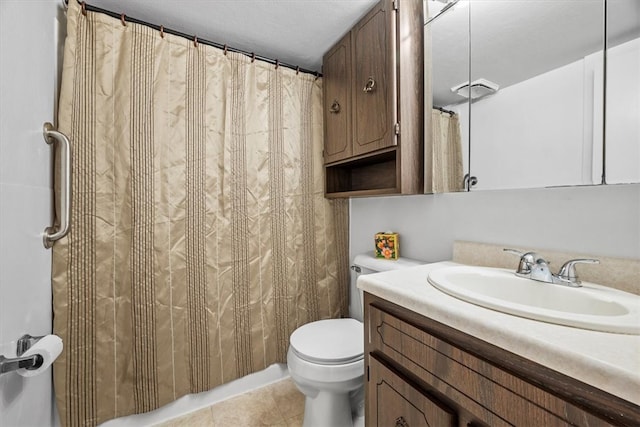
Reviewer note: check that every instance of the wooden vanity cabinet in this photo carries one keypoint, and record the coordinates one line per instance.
(373, 104)
(421, 372)
(400, 403)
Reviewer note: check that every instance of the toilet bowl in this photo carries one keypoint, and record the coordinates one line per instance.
(326, 360)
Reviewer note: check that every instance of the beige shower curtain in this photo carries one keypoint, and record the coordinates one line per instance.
(446, 146)
(200, 237)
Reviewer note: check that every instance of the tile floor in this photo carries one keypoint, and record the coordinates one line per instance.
(278, 405)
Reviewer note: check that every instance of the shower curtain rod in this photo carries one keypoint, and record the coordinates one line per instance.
(444, 110)
(195, 38)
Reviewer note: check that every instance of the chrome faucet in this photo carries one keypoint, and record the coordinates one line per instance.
(534, 267)
(527, 261)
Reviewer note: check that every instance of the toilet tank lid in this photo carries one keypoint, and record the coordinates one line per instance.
(369, 261)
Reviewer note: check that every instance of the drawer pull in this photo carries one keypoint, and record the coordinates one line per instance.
(368, 87)
(335, 107)
(401, 422)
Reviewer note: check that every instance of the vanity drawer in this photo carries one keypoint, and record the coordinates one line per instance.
(401, 403)
(492, 395)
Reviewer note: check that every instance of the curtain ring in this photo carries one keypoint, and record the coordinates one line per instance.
(162, 31)
(297, 70)
(195, 41)
(84, 8)
(225, 49)
(123, 18)
(253, 57)
(277, 63)
(317, 76)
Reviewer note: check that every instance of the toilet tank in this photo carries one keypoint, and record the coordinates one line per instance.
(366, 264)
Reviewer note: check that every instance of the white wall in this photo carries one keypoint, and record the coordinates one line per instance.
(598, 220)
(29, 54)
(531, 134)
(539, 132)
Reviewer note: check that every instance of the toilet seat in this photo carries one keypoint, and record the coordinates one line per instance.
(329, 342)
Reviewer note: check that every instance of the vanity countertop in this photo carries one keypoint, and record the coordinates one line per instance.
(610, 362)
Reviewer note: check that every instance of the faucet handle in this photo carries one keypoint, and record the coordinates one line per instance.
(527, 261)
(513, 251)
(568, 270)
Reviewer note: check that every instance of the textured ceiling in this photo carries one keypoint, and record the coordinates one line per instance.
(512, 39)
(296, 32)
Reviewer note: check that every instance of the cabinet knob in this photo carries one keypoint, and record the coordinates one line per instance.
(369, 85)
(335, 107)
(401, 422)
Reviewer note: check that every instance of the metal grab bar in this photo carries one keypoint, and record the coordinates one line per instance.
(63, 217)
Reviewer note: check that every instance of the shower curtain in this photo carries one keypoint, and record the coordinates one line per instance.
(446, 146)
(200, 237)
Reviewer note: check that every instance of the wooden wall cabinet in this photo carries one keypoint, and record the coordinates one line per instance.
(336, 69)
(373, 104)
(420, 372)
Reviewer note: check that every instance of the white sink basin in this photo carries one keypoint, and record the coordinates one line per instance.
(592, 306)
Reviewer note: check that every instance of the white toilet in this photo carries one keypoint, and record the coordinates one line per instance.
(326, 357)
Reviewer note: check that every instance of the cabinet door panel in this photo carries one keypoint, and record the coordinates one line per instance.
(398, 403)
(374, 92)
(336, 68)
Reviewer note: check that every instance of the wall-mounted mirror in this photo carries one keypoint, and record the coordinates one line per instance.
(530, 89)
(622, 124)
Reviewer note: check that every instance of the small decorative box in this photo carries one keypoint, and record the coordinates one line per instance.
(387, 245)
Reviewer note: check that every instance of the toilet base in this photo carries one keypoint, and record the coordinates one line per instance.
(327, 410)
(331, 390)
